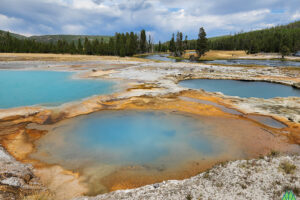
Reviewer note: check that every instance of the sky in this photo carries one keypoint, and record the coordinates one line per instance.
(160, 18)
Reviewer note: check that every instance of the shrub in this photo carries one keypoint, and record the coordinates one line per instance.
(287, 167)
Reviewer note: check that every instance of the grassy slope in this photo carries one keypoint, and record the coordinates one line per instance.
(218, 37)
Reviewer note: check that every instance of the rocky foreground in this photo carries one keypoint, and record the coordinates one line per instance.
(266, 178)
(16, 179)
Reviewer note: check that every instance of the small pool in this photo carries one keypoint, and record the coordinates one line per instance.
(269, 63)
(266, 120)
(25, 88)
(244, 89)
(161, 57)
(129, 137)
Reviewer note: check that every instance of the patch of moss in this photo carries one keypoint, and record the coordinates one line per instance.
(287, 167)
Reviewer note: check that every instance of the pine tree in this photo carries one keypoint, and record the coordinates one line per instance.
(159, 46)
(185, 43)
(179, 45)
(122, 51)
(72, 48)
(284, 51)
(253, 48)
(143, 41)
(79, 47)
(131, 44)
(111, 46)
(87, 46)
(95, 47)
(172, 47)
(118, 44)
(202, 44)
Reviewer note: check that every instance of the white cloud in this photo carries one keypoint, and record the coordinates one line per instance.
(296, 16)
(8, 23)
(159, 17)
(71, 29)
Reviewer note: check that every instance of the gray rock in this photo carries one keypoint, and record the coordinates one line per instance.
(243, 179)
(13, 181)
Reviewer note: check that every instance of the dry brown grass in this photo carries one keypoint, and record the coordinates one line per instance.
(287, 167)
(217, 54)
(59, 57)
(45, 195)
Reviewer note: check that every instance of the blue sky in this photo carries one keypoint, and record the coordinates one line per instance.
(159, 17)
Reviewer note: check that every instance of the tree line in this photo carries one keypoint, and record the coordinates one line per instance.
(121, 44)
(281, 39)
(178, 46)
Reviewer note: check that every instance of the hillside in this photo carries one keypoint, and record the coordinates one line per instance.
(265, 40)
(218, 37)
(2, 33)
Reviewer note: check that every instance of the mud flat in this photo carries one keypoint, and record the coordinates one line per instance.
(154, 86)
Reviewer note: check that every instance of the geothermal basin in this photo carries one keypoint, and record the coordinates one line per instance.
(125, 149)
(243, 89)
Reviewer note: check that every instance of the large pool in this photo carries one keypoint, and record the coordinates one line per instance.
(25, 88)
(141, 143)
(130, 137)
(124, 149)
(242, 88)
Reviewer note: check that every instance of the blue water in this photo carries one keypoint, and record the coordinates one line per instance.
(242, 88)
(25, 88)
(128, 137)
(266, 120)
(269, 63)
(40, 64)
(110, 147)
(161, 57)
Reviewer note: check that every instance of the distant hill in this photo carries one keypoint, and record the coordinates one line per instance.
(13, 34)
(55, 38)
(120, 45)
(68, 38)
